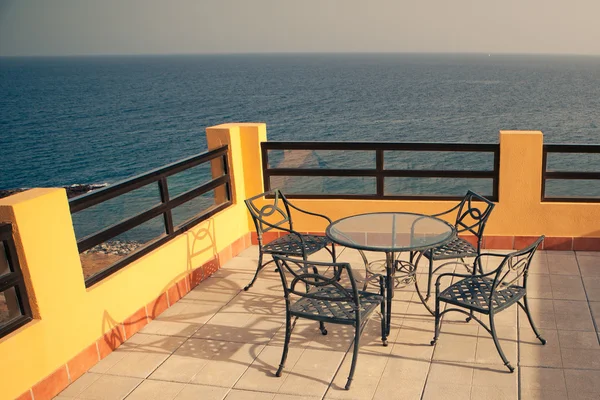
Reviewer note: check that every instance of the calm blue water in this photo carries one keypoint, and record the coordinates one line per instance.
(104, 119)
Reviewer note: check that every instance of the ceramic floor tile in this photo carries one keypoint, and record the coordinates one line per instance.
(450, 373)
(567, 287)
(589, 265)
(533, 354)
(441, 390)
(581, 358)
(582, 382)
(493, 375)
(573, 315)
(156, 390)
(189, 311)
(563, 264)
(578, 340)
(539, 287)
(551, 379)
(260, 375)
(399, 388)
(249, 395)
(195, 392)
(493, 393)
(592, 287)
(110, 387)
(170, 328)
(536, 394)
(75, 388)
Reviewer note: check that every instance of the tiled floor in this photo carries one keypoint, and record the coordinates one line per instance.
(220, 342)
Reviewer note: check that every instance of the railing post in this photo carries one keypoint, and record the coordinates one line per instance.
(379, 164)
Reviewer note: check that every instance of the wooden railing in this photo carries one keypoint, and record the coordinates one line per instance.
(592, 193)
(14, 303)
(377, 170)
(220, 184)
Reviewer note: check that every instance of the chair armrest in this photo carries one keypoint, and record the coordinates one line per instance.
(447, 211)
(310, 212)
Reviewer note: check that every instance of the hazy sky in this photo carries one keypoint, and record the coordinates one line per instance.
(61, 27)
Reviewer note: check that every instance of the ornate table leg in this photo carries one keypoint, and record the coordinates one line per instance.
(417, 286)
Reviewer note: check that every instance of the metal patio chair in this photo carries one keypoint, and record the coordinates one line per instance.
(470, 218)
(275, 215)
(327, 292)
(489, 293)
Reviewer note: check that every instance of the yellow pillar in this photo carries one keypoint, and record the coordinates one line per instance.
(520, 183)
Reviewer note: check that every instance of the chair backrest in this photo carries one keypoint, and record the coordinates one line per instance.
(272, 215)
(473, 212)
(317, 280)
(515, 266)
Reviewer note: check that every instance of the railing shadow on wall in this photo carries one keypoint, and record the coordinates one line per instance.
(144, 212)
(200, 243)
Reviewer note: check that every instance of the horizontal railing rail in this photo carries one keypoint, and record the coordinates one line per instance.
(164, 207)
(378, 171)
(568, 175)
(16, 301)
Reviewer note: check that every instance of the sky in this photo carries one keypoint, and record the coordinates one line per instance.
(86, 27)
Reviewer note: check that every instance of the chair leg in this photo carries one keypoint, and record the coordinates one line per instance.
(288, 334)
(354, 356)
(436, 331)
(497, 343)
(527, 312)
(258, 268)
(383, 314)
(322, 328)
(429, 278)
(333, 255)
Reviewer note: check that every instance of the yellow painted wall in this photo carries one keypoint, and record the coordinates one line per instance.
(69, 317)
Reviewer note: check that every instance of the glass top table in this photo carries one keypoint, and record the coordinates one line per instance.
(392, 232)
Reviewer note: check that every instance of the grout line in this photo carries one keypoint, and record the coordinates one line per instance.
(519, 354)
(587, 299)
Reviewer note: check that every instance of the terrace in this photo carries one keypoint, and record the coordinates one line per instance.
(170, 319)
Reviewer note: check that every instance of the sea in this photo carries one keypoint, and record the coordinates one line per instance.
(103, 119)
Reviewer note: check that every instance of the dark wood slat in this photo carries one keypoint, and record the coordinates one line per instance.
(14, 324)
(320, 172)
(572, 148)
(88, 200)
(571, 175)
(376, 197)
(473, 147)
(572, 199)
(9, 280)
(386, 173)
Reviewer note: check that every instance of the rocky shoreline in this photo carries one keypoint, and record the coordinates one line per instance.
(72, 191)
(115, 248)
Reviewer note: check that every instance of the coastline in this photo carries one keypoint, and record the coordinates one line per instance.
(72, 190)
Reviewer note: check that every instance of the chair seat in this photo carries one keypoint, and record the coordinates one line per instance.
(474, 293)
(457, 248)
(335, 311)
(291, 245)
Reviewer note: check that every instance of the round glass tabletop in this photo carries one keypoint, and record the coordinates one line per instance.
(390, 231)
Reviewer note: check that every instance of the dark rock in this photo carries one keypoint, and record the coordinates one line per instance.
(72, 191)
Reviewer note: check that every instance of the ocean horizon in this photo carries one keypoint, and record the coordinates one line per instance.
(101, 119)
